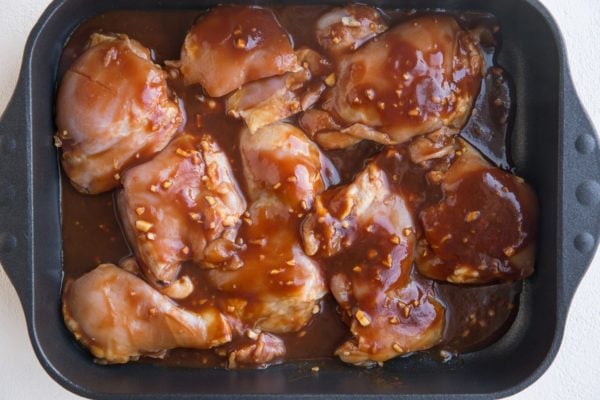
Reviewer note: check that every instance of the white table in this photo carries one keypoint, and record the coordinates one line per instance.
(575, 373)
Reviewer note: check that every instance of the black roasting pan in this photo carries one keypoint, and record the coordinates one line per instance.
(553, 146)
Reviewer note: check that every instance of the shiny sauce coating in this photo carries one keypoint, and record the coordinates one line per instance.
(475, 316)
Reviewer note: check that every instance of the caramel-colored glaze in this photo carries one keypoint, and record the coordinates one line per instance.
(91, 231)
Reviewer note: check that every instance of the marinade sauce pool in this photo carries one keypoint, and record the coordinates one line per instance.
(475, 316)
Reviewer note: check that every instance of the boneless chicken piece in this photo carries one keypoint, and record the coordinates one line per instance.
(119, 318)
(280, 159)
(484, 228)
(270, 100)
(185, 204)
(279, 286)
(415, 78)
(233, 45)
(113, 110)
(367, 231)
(345, 29)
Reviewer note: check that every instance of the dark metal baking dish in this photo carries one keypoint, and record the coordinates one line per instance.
(553, 146)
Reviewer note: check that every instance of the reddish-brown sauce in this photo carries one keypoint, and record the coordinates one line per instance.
(91, 233)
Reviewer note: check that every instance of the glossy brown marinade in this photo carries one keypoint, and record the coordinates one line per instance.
(404, 310)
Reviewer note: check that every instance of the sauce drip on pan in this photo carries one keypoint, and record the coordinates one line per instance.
(475, 316)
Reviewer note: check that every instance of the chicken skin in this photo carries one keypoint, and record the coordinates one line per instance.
(367, 234)
(113, 111)
(345, 29)
(183, 205)
(269, 100)
(119, 317)
(417, 77)
(234, 45)
(279, 286)
(280, 159)
(484, 228)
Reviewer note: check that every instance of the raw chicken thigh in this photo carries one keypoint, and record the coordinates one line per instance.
(183, 205)
(417, 77)
(234, 45)
(113, 110)
(483, 230)
(367, 232)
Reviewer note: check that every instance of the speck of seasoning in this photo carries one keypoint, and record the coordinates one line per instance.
(240, 43)
(491, 312)
(372, 253)
(211, 104)
(345, 224)
(185, 250)
(315, 369)
(252, 334)
(381, 105)
(393, 321)
(414, 112)
(117, 176)
(153, 188)
(370, 228)
(407, 231)
(316, 309)
(399, 93)
(304, 205)
(363, 318)
(301, 333)
(195, 216)
(210, 200)
(275, 271)
(247, 221)
(167, 184)
(230, 309)
(336, 40)
(394, 239)
(182, 152)
(261, 257)
(258, 242)
(140, 210)
(330, 79)
(143, 226)
(397, 348)
(198, 121)
(151, 236)
(292, 179)
(388, 261)
(509, 251)
(291, 262)
(277, 185)
(472, 216)
(466, 333)
(357, 268)
(212, 225)
(370, 94)
(406, 310)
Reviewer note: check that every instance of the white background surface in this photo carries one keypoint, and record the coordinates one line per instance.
(575, 373)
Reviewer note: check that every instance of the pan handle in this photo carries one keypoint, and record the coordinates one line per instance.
(580, 192)
(15, 196)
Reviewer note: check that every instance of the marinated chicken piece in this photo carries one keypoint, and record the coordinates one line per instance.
(270, 100)
(234, 45)
(279, 286)
(119, 318)
(260, 350)
(345, 29)
(113, 111)
(367, 232)
(415, 78)
(280, 159)
(183, 205)
(484, 228)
